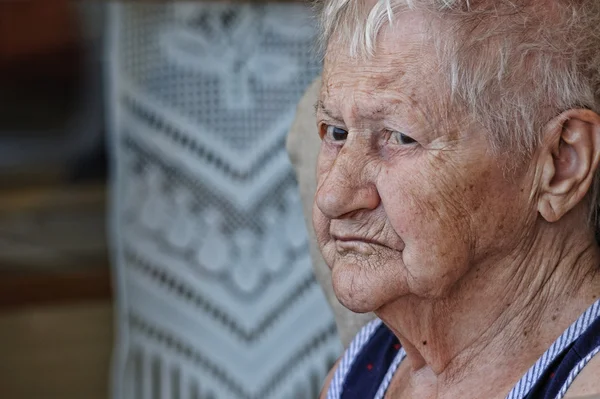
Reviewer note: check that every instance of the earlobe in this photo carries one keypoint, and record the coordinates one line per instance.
(545, 201)
(570, 157)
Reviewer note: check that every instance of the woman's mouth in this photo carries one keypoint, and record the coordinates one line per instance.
(357, 244)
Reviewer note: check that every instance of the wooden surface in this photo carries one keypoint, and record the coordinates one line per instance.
(56, 352)
(53, 245)
(27, 289)
(53, 228)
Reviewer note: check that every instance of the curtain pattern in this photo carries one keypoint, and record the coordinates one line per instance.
(216, 294)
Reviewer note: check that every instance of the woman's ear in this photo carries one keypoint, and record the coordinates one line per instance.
(570, 158)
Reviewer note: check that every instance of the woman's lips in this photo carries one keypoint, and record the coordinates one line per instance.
(355, 244)
(354, 238)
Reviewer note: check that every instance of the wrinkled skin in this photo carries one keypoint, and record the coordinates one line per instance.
(394, 217)
(476, 262)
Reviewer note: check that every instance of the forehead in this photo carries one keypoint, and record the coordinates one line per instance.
(396, 72)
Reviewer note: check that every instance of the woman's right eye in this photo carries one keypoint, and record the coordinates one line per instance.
(336, 134)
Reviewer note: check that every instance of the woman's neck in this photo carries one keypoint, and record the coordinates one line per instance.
(501, 317)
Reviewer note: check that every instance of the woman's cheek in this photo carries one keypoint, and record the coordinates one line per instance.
(426, 219)
(407, 203)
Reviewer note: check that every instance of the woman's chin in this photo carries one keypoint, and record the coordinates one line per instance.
(357, 293)
(355, 307)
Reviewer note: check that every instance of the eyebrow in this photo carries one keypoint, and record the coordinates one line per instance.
(320, 107)
(371, 114)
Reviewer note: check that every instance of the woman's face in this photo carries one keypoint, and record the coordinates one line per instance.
(409, 199)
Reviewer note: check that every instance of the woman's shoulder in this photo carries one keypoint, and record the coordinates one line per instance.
(363, 369)
(584, 379)
(587, 382)
(328, 379)
(336, 377)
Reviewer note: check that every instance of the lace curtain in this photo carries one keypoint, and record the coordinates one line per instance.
(215, 292)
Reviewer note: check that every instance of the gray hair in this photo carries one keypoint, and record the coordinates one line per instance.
(512, 65)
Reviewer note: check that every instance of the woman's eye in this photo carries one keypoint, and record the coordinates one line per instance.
(401, 138)
(336, 133)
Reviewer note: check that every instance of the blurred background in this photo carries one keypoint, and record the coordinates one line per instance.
(56, 301)
(152, 243)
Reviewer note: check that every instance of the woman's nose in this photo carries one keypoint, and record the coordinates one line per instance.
(346, 188)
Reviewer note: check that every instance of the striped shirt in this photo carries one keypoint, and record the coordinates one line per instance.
(368, 366)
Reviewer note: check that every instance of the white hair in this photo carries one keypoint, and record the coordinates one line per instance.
(513, 65)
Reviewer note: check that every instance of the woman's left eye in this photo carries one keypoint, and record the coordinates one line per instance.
(401, 138)
(336, 134)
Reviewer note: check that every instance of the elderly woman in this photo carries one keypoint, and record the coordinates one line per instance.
(457, 195)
